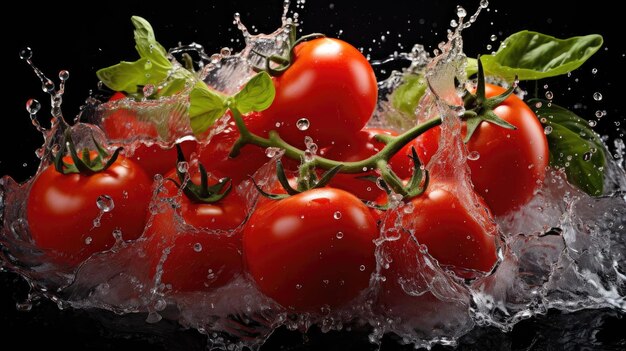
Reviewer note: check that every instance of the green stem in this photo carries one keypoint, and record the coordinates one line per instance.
(394, 144)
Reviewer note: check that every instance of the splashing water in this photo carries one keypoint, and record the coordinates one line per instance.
(564, 250)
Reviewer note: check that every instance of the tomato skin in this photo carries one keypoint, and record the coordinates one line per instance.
(331, 84)
(441, 222)
(512, 163)
(205, 250)
(361, 147)
(293, 253)
(61, 210)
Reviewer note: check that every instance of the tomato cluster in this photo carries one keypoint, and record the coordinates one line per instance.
(311, 250)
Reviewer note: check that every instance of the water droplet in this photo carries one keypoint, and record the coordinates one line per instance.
(592, 123)
(225, 52)
(600, 114)
(597, 96)
(587, 156)
(197, 247)
(26, 53)
(105, 203)
(303, 124)
(48, 86)
(538, 104)
(96, 223)
(489, 46)
(183, 166)
(460, 11)
(337, 215)
(362, 268)
(484, 3)
(64, 75)
(148, 90)
(153, 317)
(24, 306)
(547, 130)
(339, 235)
(594, 70)
(160, 305)
(298, 286)
(549, 95)
(33, 106)
(308, 156)
(453, 23)
(473, 156)
(271, 151)
(493, 37)
(88, 240)
(117, 234)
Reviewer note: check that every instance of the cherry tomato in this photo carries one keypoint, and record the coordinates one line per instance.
(311, 250)
(330, 87)
(361, 147)
(204, 247)
(460, 238)
(123, 125)
(511, 164)
(75, 215)
(214, 154)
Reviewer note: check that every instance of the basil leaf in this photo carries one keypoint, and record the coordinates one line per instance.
(256, 95)
(153, 66)
(407, 96)
(206, 106)
(531, 55)
(573, 146)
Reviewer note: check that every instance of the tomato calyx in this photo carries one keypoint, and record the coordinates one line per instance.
(202, 193)
(276, 65)
(83, 164)
(307, 180)
(479, 108)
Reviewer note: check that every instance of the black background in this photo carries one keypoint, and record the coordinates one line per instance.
(85, 38)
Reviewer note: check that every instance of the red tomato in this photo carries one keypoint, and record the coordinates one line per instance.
(123, 125)
(61, 209)
(204, 250)
(311, 250)
(330, 84)
(360, 148)
(457, 238)
(512, 163)
(214, 155)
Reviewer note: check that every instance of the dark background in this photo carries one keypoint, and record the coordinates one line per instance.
(85, 38)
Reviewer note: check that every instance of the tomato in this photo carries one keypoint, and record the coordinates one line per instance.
(204, 247)
(123, 125)
(61, 209)
(460, 238)
(361, 147)
(311, 250)
(214, 154)
(512, 163)
(331, 85)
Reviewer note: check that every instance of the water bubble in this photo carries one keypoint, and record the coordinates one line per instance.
(484, 3)
(594, 70)
(303, 124)
(473, 156)
(308, 156)
(24, 306)
(271, 151)
(592, 123)
(587, 156)
(489, 46)
(183, 166)
(310, 145)
(547, 130)
(153, 317)
(362, 268)
(26, 53)
(225, 52)
(33, 106)
(493, 37)
(160, 305)
(339, 235)
(96, 223)
(549, 95)
(337, 215)
(88, 240)
(538, 104)
(117, 234)
(453, 23)
(105, 203)
(600, 114)
(597, 96)
(298, 286)
(64, 75)
(197, 247)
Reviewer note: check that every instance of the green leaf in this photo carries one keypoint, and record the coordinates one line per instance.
(531, 55)
(153, 66)
(471, 67)
(573, 146)
(407, 96)
(256, 95)
(206, 106)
